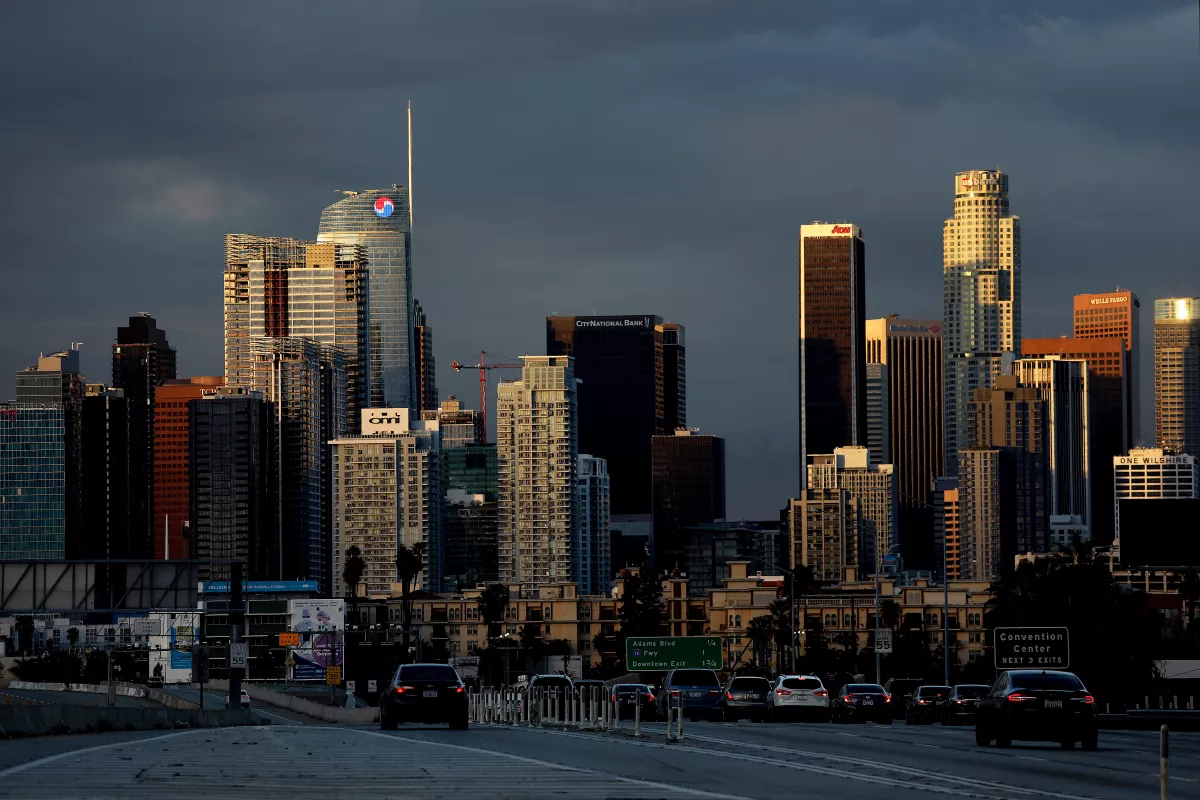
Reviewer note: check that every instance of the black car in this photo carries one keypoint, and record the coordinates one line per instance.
(628, 696)
(426, 693)
(924, 705)
(746, 698)
(1037, 705)
(901, 689)
(697, 691)
(959, 706)
(862, 702)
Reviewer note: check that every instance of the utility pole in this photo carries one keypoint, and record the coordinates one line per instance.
(878, 656)
(945, 611)
(237, 618)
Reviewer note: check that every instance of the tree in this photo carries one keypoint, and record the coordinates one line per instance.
(760, 630)
(493, 605)
(532, 646)
(641, 610)
(356, 565)
(73, 636)
(25, 634)
(410, 560)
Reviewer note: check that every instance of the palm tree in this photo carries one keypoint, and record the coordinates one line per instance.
(410, 560)
(493, 605)
(73, 636)
(353, 571)
(760, 630)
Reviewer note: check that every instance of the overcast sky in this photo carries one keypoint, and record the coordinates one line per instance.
(593, 156)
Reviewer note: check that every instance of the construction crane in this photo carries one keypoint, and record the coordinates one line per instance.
(483, 367)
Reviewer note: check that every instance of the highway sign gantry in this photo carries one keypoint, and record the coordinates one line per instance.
(673, 652)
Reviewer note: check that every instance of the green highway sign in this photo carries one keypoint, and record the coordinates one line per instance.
(673, 652)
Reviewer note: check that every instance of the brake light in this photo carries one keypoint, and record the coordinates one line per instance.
(1017, 697)
(729, 695)
(922, 702)
(460, 690)
(783, 692)
(649, 697)
(1088, 699)
(960, 702)
(821, 693)
(674, 693)
(403, 689)
(847, 698)
(887, 698)
(614, 697)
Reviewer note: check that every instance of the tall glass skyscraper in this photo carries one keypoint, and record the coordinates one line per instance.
(981, 294)
(378, 220)
(33, 478)
(1177, 374)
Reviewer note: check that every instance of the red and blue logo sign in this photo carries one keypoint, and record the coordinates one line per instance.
(384, 207)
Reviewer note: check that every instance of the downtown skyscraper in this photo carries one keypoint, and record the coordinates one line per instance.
(1177, 374)
(981, 296)
(833, 366)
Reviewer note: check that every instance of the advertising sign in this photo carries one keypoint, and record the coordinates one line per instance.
(320, 625)
(385, 420)
(1032, 648)
(673, 652)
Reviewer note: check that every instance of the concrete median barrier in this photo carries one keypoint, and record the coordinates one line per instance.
(41, 720)
(334, 714)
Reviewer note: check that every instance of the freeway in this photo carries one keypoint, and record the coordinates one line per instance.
(38, 698)
(215, 699)
(739, 760)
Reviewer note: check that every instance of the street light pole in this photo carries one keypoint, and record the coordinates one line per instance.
(878, 656)
(793, 625)
(945, 612)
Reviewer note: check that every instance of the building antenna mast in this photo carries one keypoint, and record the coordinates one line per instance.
(410, 186)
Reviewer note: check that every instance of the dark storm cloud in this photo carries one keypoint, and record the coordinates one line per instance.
(591, 156)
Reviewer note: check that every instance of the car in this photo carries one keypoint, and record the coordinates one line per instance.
(697, 691)
(924, 705)
(795, 696)
(1039, 706)
(863, 702)
(900, 689)
(959, 706)
(425, 693)
(243, 700)
(552, 692)
(628, 696)
(746, 698)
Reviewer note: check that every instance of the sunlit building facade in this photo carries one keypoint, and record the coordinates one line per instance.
(1177, 374)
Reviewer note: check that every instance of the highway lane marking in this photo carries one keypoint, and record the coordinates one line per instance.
(4, 773)
(276, 716)
(1034, 758)
(550, 765)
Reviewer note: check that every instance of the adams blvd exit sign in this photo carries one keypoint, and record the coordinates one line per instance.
(673, 652)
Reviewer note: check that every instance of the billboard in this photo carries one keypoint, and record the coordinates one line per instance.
(321, 625)
(1160, 533)
(171, 644)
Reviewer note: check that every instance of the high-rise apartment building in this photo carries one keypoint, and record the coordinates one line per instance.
(621, 364)
(233, 502)
(878, 417)
(425, 375)
(688, 489)
(911, 349)
(947, 531)
(305, 384)
(873, 485)
(56, 379)
(826, 535)
(142, 359)
(172, 473)
(1109, 378)
(1063, 385)
(471, 468)
(1113, 315)
(674, 377)
(981, 296)
(104, 448)
(378, 219)
(1013, 420)
(537, 455)
(387, 491)
(987, 513)
(33, 465)
(833, 392)
(459, 426)
(471, 523)
(593, 557)
(1153, 474)
(1177, 374)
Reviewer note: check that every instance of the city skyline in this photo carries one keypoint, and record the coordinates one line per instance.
(1076, 237)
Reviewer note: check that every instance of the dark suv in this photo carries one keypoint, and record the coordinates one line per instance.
(424, 693)
(900, 689)
(1037, 705)
(924, 706)
(698, 691)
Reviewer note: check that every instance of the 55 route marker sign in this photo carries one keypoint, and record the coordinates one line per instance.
(1032, 648)
(673, 652)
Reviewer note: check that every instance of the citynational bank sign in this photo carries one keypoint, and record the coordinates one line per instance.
(614, 322)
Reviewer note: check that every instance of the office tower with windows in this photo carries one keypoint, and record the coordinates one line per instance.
(947, 531)
(104, 446)
(1177, 374)
(1109, 376)
(1147, 473)
(424, 372)
(911, 349)
(833, 367)
(674, 377)
(873, 485)
(1113, 315)
(256, 296)
(233, 505)
(142, 360)
(1013, 420)
(688, 489)
(592, 556)
(33, 467)
(826, 535)
(378, 219)
(471, 524)
(305, 384)
(1063, 385)
(471, 468)
(987, 513)
(878, 417)
(620, 363)
(56, 380)
(537, 456)
(459, 426)
(172, 476)
(981, 296)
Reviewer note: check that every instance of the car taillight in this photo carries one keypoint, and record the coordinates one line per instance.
(674, 693)
(922, 702)
(649, 697)
(614, 697)
(1017, 697)
(403, 689)
(783, 692)
(821, 693)
(1088, 699)
(847, 698)
(729, 695)
(887, 698)
(460, 690)
(960, 702)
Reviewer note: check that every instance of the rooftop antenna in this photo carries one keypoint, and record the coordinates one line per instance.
(410, 186)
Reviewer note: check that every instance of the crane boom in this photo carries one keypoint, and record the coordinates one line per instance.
(483, 367)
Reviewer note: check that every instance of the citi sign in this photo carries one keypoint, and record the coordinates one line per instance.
(840, 229)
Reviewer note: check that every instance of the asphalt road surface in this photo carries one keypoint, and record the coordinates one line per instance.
(24, 697)
(714, 761)
(215, 699)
